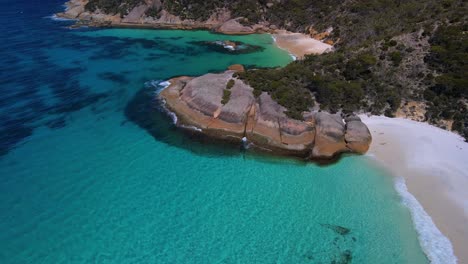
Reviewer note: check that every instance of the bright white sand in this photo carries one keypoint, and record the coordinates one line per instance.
(300, 44)
(434, 164)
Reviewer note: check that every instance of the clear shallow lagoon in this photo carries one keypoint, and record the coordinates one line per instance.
(80, 183)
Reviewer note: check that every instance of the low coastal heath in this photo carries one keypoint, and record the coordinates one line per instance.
(433, 164)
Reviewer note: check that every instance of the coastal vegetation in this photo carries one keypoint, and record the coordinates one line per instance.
(230, 84)
(226, 96)
(387, 53)
(121, 7)
(448, 93)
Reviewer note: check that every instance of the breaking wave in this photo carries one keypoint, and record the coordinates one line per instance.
(159, 86)
(57, 18)
(435, 245)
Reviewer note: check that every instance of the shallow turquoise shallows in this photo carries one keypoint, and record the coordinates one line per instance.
(90, 186)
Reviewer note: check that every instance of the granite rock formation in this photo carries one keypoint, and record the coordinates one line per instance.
(220, 21)
(198, 104)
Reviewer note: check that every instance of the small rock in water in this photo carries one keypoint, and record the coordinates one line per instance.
(229, 47)
(338, 229)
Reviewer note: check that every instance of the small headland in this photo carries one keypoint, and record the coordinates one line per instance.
(223, 106)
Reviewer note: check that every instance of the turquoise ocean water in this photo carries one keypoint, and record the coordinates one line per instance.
(84, 180)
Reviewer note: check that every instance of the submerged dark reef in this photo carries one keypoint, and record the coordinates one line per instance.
(228, 46)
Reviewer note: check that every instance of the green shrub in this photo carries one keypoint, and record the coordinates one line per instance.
(121, 7)
(392, 43)
(230, 84)
(226, 96)
(396, 57)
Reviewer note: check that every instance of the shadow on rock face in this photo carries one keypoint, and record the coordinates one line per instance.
(146, 111)
(149, 113)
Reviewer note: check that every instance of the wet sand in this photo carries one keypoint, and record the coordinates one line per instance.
(434, 164)
(298, 44)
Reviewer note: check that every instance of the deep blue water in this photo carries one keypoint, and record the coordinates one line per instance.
(92, 172)
(32, 87)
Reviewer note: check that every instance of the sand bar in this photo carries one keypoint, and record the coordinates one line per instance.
(434, 165)
(300, 44)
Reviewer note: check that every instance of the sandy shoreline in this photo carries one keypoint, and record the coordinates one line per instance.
(434, 164)
(299, 44)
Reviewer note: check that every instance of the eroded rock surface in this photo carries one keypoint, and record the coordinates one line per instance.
(330, 135)
(357, 137)
(198, 103)
(233, 26)
(220, 21)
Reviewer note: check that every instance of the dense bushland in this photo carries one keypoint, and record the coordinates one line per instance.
(121, 7)
(387, 52)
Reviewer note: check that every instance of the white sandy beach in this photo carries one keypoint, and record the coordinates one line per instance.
(299, 44)
(434, 164)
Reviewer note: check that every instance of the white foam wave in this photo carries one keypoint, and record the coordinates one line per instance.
(294, 58)
(57, 18)
(435, 245)
(172, 115)
(224, 45)
(165, 84)
(194, 128)
(158, 85)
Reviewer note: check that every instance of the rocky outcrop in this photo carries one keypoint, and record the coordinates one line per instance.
(75, 8)
(237, 68)
(233, 26)
(357, 137)
(135, 15)
(330, 136)
(220, 21)
(261, 121)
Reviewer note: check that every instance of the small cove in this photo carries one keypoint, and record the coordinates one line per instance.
(82, 183)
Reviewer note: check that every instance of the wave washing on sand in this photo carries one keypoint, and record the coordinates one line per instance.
(432, 164)
(435, 245)
(290, 54)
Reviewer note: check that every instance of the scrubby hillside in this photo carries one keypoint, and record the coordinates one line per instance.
(393, 57)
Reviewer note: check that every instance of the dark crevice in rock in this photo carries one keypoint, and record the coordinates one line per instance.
(279, 130)
(247, 119)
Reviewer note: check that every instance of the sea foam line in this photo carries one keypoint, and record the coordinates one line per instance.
(57, 18)
(290, 54)
(435, 245)
(159, 86)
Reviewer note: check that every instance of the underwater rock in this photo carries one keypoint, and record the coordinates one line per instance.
(337, 229)
(228, 46)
